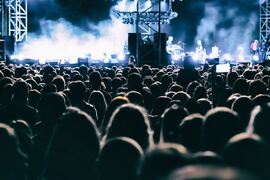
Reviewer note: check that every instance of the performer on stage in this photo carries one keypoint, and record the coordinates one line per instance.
(169, 44)
(200, 52)
(254, 47)
(199, 46)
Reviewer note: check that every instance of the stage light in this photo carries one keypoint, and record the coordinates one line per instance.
(42, 61)
(241, 57)
(12, 57)
(227, 57)
(176, 57)
(196, 57)
(121, 57)
(256, 57)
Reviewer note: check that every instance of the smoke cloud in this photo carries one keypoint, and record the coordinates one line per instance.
(62, 40)
(227, 27)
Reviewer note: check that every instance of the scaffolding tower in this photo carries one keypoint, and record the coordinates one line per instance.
(147, 16)
(18, 19)
(264, 20)
(14, 19)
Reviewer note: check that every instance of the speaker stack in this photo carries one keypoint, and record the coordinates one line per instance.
(149, 51)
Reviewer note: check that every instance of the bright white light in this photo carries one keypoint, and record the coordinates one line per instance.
(12, 57)
(227, 57)
(106, 58)
(121, 57)
(241, 57)
(256, 58)
(215, 53)
(176, 57)
(73, 61)
(61, 40)
(42, 61)
(196, 57)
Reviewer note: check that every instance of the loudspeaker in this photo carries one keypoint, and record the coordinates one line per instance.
(162, 39)
(9, 44)
(132, 42)
(2, 50)
(83, 61)
(147, 54)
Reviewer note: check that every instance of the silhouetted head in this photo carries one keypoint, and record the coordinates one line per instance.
(134, 82)
(115, 103)
(7, 94)
(160, 104)
(13, 161)
(74, 147)
(248, 152)
(207, 158)
(210, 172)
(83, 71)
(119, 159)
(51, 107)
(48, 88)
(191, 87)
(241, 86)
(220, 124)
(163, 159)
(182, 96)
(261, 99)
(20, 90)
(135, 98)
(116, 83)
(166, 80)
(190, 132)
(34, 98)
(231, 78)
(77, 91)
(192, 106)
(155, 89)
(24, 135)
(176, 88)
(200, 92)
(259, 121)
(130, 121)
(204, 105)
(60, 83)
(243, 106)
(257, 87)
(95, 80)
(171, 120)
(98, 100)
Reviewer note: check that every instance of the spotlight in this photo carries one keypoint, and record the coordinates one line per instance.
(256, 58)
(176, 57)
(227, 57)
(42, 61)
(121, 57)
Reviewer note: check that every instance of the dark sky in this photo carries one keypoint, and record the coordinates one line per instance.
(191, 12)
(75, 11)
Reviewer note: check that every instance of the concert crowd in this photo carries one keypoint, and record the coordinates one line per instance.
(134, 123)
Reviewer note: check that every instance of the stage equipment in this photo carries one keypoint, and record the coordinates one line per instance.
(14, 19)
(147, 18)
(264, 20)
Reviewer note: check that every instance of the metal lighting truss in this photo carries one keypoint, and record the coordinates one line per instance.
(146, 17)
(17, 19)
(264, 20)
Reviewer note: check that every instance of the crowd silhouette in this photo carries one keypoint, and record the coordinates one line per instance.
(134, 123)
